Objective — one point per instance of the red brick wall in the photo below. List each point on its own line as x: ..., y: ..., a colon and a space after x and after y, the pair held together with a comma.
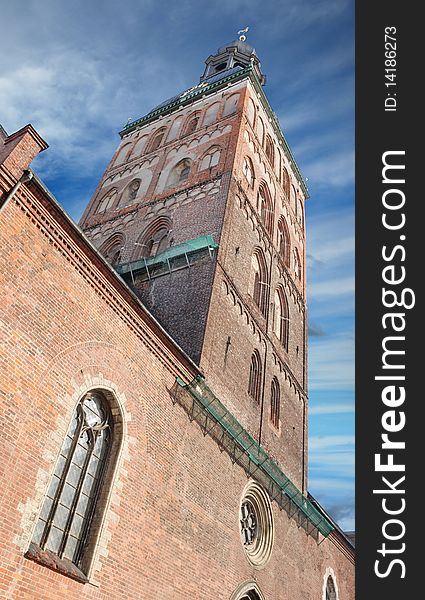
x: 171, y: 526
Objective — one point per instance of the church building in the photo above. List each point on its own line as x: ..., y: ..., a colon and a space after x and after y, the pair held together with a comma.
x: 154, y: 397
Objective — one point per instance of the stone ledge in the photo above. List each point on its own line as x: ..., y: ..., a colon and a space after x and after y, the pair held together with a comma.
x: 52, y: 561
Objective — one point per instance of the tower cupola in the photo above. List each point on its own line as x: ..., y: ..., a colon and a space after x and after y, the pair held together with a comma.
x: 234, y: 54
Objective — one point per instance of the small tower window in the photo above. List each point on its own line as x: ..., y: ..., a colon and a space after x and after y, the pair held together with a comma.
x: 179, y: 173
x: 283, y: 241
x: 210, y: 159
x: 265, y: 208
x: 270, y: 150
x: 297, y: 264
x: 275, y: 403
x: 260, y: 288
x: 191, y: 125
x: 254, y: 383
x: 220, y: 67
x: 248, y: 171
x: 157, y: 139
x: 281, y: 317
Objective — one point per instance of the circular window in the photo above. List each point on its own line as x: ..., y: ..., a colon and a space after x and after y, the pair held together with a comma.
x: 256, y: 524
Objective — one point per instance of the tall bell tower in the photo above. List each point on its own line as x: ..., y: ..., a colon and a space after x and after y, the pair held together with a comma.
x: 201, y: 211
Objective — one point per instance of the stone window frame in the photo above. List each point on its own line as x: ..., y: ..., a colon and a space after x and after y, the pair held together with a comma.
x: 255, y: 376
x: 98, y: 536
x: 330, y: 594
x: 248, y: 590
x: 258, y: 552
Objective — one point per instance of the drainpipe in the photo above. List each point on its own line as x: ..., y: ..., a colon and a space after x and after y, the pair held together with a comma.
x: 26, y: 176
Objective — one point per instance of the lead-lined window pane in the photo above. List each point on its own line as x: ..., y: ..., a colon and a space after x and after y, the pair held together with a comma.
x: 74, y: 486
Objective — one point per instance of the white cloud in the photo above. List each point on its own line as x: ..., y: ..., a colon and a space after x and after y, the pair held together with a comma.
x: 330, y: 442
x: 330, y: 409
x: 335, y: 286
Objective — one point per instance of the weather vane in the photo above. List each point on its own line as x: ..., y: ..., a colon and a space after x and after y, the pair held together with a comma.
x: 241, y: 35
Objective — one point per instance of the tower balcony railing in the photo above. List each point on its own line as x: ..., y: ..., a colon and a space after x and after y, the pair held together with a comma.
x: 172, y: 259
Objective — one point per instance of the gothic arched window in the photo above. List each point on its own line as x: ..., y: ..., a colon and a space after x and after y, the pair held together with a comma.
x: 270, y: 150
x: 154, y: 240
x: 255, y: 371
x: 191, y: 125
x: 300, y: 212
x: 122, y: 154
x: 112, y: 247
x: 210, y: 159
x: 260, y: 288
x: 283, y: 241
x: 293, y: 198
x: 250, y: 113
x: 281, y: 317
x: 260, y: 130
x: 275, y: 403
x: 157, y: 139
x: 248, y: 171
x: 211, y: 113
x: 285, y: 182
x: 231, y: 104
x: 265, y: 208
x: 70, y: 507
x: 179, y: 173
x: 130, y: 193
x: 107, y: 201
x: 297, y: 264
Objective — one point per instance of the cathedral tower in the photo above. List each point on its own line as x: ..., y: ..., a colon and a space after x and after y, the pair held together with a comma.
x: 201, y: 211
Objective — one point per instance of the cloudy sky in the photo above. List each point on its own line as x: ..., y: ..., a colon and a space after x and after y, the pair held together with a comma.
x: 78, y: 70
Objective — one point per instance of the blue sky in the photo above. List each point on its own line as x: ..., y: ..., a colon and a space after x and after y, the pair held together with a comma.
x: 79, y: 70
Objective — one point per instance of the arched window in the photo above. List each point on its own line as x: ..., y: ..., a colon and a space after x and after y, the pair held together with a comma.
x: 248, y: 171
x: 297, y: 264
x: 231, y: 104
x: 111, y: 249
x: 285, y: 182
x: 211, y: 113
x: 179, y: 173
x: 250, y: 113
x: 270, y: 150
x: 255, y: 371
x: 174, y: 129
x: 157, y: 140
x: 293, y: 198
x: 154, y: 240
x: 330, y: 589
x: 283, y: 241
x: 191, y: 125
x: 139, y: 147
x: 260, y: 287
x: 275, y: 403
x: 122, y: 154
x: 300, y: 212
x: 265, y: 208
x: 70, y: 508
x: 260, y: 130
x: 210, y: 159
x: 129, y: 194
x: 281, y: 317
x: 107, y: 201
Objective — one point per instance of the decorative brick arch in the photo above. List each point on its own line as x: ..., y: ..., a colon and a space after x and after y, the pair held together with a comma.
x: 154, y: 239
